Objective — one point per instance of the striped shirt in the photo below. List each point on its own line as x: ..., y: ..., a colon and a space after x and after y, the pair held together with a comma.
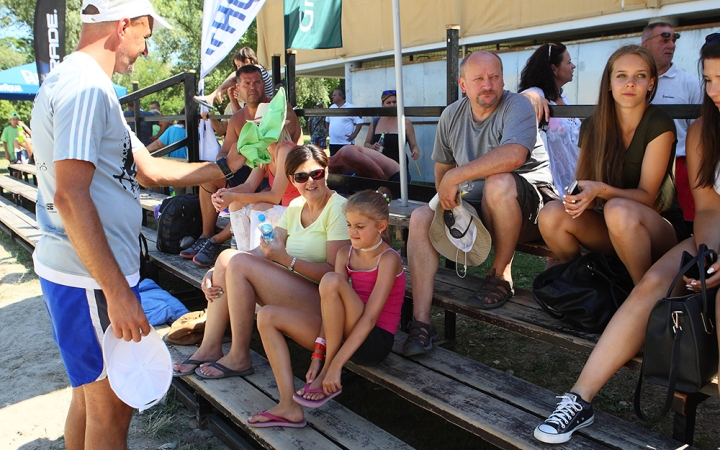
x: 77, y: 116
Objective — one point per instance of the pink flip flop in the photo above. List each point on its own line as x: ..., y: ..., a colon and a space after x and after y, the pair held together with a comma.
x: 314, y: 403
x: 276, y: 421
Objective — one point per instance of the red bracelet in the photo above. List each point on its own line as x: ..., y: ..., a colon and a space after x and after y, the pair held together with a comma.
x: 317, y: 355
x: 320, y: 347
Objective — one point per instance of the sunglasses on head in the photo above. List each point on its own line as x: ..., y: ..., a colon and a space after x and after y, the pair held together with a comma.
x: 712, y: 39
x: 449, y: 219
x: 666, y: 35
x: 303, y: 177
x: 550, y: 46
x: 389, y: 92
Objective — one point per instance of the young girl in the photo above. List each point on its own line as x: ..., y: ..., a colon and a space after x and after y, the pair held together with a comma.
x: 625, y: 334
x: 360, y: 304
x: 626, y: 205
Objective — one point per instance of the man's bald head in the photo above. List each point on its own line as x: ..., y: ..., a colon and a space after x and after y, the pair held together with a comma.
x: 479, y: 56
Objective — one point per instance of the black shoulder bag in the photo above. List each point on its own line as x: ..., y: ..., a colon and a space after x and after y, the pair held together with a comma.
x: 681, y: 347
x: 584, y: 292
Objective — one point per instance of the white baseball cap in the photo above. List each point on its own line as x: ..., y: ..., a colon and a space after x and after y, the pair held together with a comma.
x: 140, y: 373
x: 113, y: 10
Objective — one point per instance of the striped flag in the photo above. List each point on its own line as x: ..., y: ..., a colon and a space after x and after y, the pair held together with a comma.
x: 311, y: 24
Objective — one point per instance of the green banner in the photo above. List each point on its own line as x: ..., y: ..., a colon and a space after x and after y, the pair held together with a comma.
x: 313, y: 24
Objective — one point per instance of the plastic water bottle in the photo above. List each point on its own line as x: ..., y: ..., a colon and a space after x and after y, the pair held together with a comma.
x: 465, y: 187
x: 266, y: 230
x: 233, y: 242
x: 381, y: 143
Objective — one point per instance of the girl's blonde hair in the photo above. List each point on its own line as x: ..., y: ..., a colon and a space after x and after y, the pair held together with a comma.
x: 372, y: 204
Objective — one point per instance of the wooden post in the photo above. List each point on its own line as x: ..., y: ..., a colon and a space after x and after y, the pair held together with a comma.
x: 453, y: 50
x: 276, y: 70
x: 290, y: 76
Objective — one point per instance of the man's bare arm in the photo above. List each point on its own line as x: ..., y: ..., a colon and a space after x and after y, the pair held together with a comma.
x: 84, y: 229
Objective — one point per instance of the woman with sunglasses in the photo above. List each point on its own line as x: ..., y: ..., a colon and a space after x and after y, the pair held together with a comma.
x: 283, y: 272
x: 386, y: 127
x: 544, y: 75
x: 649, y: 234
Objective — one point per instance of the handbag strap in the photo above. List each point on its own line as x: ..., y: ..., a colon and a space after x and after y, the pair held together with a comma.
x: 700, y: 261
x: 674, y: 366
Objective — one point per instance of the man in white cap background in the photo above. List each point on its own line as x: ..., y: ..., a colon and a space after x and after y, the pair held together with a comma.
x: 89, y: 165
x: 489, y: 138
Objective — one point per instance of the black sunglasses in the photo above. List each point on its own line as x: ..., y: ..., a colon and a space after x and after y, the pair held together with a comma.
x: 666, y: 35
x: 712, y: 39
x: 390, y: 92
x: 303, y: 177
x: 449, y: 219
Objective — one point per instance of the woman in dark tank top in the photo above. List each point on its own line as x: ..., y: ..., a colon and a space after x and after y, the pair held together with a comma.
x: 388, y: 126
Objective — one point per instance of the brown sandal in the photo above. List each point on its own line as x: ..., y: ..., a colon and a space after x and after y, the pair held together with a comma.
x: 493, y: 293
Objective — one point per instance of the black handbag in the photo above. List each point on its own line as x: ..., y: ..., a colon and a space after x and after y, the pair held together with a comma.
x: 681, y: 347
x: 584, y: 292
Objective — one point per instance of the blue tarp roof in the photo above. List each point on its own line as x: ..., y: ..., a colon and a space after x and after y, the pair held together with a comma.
x: 21, y: 83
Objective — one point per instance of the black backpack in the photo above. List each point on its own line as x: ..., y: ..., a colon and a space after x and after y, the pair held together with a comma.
x: 179, y: 218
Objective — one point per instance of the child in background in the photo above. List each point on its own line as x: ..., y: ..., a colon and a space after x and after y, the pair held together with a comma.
x: 360, y: 304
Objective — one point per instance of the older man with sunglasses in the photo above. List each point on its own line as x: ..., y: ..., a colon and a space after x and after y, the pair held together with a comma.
x: 674, y: 87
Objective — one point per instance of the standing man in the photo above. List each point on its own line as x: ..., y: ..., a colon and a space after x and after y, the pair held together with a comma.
x: 9, y: 134
x: 317, y: 127
x: 342, y: 130
x: 674, y: 87
x: 89, y: 168
x: 490, y: 138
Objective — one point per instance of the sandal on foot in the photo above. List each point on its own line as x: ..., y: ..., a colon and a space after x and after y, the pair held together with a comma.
x: 420, y: 338
x: 226, y: 372
x: 300, y: 399
x: 276, y: 421
x: 193, y: 362
x: 493, y: 293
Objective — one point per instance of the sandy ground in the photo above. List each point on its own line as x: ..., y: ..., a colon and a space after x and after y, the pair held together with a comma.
x: 35, y: 391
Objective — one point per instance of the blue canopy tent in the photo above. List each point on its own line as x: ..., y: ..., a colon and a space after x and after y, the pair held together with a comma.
x: 21, y: 83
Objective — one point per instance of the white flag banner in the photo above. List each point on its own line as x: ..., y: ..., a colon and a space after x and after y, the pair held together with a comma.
x: 224, y: 22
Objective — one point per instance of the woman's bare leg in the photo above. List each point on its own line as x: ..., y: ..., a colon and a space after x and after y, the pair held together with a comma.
x: 564, y: 235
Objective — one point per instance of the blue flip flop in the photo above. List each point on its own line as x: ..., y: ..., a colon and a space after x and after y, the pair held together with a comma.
x: 276, y: 421
x: 226, y: 373
x: 194, y: 362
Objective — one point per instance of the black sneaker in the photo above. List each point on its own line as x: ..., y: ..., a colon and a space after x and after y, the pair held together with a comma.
x: 194, y: 249
x: 420, y: 338
x: 571, y: 414
x: 208, y: 253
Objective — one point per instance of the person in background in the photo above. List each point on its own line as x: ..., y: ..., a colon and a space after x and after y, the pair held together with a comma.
x: 674, y: 87
x: 171, y: 135
x: 625, y: 334
x: 547, y: 70
x: 386, y: 127
x: 145, y: 129
x: 242, y: 57
x: 158, y: 128
x: 9, y: 140
x: 342, y: 130
x: 317, y: 127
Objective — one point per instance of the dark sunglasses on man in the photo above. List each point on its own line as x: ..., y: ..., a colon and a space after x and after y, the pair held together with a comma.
x: 666, y: 36
x: 390, y: 92
x: 303, y: 177
x: 449, y: 219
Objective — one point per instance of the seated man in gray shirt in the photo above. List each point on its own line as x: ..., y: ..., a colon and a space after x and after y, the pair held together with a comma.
x: 491, y: 139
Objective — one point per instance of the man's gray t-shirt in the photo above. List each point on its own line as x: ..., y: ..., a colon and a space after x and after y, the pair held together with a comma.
x: 459, y: 139
x: 77, y: 116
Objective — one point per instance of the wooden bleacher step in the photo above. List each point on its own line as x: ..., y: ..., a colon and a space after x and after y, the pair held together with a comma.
x: 330, y: 427
x: 19, y: 223
x: 19, y: 188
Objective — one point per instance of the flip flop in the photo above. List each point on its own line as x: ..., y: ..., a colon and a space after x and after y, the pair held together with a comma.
x: 194, y: 362
x: 226, y: 373
x: 314, y: 403
x: 276, y: 422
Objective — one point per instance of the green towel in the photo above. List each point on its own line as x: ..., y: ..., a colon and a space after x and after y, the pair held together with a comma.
x: 254, y: 139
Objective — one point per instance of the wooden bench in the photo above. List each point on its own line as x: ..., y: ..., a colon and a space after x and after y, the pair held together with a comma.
x: 20, y: 191
x: 493, y: 405
x: 26, y: 170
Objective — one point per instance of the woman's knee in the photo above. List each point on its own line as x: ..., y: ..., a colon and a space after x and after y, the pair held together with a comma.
x: 621, y: 214
x: 266, y: 318
x: 552, y: 216
x: 240, y: 263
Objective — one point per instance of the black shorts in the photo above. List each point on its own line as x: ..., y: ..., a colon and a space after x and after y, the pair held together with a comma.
x: 375, y: 348
x: 531, y: 199
x: 239, y: 177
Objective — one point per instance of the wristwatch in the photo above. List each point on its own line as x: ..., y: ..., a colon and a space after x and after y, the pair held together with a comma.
x: 223, y: 165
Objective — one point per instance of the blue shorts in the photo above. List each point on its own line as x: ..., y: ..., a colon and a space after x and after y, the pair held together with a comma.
x: 79, y: 318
